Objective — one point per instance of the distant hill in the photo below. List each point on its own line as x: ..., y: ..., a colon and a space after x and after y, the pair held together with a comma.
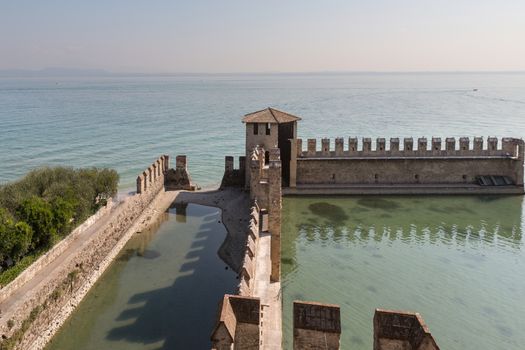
x: 54, y: 72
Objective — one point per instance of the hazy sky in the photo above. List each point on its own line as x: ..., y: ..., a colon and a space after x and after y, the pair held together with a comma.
x: 263, y: 35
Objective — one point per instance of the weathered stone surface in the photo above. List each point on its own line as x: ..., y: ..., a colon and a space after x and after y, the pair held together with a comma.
x: 316, y: 326
x: 401, y: 330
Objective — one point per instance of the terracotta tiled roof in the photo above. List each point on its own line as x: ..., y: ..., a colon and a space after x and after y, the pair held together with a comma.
x: 269, y: 115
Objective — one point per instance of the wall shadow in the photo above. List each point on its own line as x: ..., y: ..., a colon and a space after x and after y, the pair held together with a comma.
x: 182, y: 315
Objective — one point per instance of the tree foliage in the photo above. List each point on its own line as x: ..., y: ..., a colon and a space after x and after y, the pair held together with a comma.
x: 46, y: 205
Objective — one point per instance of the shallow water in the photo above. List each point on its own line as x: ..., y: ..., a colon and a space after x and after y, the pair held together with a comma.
x: 162, y: 291
x: 127, y: 122
x: 459, y: 261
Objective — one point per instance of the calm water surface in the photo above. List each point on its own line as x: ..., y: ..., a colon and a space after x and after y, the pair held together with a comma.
x: 127, y: 122
x: 161, y: 292
x: 459, y: 261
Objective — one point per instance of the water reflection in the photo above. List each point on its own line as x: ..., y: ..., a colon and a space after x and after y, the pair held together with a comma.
x: 161, y: 293
x: 454, y: 259
x: 447, y: 220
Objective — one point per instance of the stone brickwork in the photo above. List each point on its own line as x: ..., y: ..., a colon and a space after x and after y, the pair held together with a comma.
x: 248, y: 269
x: 44, y: 303
x: 179, y: 178
x: 316, y: 326
x: 400, y: 330
x: 237, y: 326
x: 234, y: 177
x: 455, y: 163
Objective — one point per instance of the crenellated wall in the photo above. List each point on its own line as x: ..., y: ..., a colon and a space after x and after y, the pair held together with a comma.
x: 178, y: 178
x: 234, y: 177
x: 453, y: 162
x: 153, y: 174
x: 422, y: 147
x: 248, y: 269
x: 316, y: 326
x: 237, y: 325
x: 401, y: 330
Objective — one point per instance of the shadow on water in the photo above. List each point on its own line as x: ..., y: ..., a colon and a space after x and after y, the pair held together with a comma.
x: 333, y: 213
x: 180, y: 316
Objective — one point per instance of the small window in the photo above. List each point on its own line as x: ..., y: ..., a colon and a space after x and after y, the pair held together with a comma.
x: 464, y: 177
x: 266, y: 158
x: 256, y: 129
x: 268, y: 128
x: 376, y: 176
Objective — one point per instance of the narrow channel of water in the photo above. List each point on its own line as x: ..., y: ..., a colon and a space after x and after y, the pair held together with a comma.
x: 161, y: 292
x: 459, y: 261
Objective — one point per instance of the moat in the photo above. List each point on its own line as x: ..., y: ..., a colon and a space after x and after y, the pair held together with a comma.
x: 457, y: 260
x: 160, y: 293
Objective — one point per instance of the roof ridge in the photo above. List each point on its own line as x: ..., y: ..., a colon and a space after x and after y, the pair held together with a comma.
x: 273, y: 115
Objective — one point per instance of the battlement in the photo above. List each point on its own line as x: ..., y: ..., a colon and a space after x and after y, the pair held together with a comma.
x: 248, y: 268
x: 401, y: 330
x: 234, y: 177
x: 153, y: 175
x: 422, y: 148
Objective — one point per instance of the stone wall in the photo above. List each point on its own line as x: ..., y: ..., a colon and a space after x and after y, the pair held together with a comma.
x: 316, y: 326
x: 410, y: 165
x: 248, y: 269
x: 32, y: 316
x: 400, y: 330
x: 237, y: 326
x: 234, y: 177
x: 51, y: 255
x: 179, y: 178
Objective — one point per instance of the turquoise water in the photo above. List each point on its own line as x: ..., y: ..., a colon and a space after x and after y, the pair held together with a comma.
x: 127, y: 122
x: 459, y: 261
x: 161, y: 292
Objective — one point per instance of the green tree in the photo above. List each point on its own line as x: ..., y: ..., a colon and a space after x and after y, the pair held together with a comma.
x: 63, y: 212
x: 22, y: 242
x: 15, y: 239
x: 39, y: 215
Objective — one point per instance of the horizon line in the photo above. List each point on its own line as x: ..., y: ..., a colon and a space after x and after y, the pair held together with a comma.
x: 71, y: 71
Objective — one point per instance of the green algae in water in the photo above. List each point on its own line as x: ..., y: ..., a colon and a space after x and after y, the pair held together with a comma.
x: 161, y: 292
x: 457, y: 260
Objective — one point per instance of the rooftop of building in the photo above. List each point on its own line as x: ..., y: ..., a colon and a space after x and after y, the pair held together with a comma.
x: 269, y: 115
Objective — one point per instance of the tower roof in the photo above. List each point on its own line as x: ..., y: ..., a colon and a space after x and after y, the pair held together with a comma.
x: 269, y: 115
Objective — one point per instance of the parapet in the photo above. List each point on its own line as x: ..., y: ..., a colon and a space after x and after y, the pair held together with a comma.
x: 238, y: 323
x: 248, y: 268
x: 401, y: 330
x: 316, y: 326
x: 463, y: 147
x: 179, y: 178
x: 153, y: 176
x: 233, y: 177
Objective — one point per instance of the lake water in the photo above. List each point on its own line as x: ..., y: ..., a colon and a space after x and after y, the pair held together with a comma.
x: 161, y: 292
x: 127, y: 122
x: 459, y: 261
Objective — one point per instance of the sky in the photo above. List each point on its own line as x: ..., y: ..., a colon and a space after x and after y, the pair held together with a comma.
x: 225, y: 36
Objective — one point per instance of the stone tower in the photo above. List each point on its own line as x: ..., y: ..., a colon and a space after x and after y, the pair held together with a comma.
x: 271, y: 128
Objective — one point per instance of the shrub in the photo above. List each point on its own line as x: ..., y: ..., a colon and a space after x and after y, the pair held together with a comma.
x: 39, y: 215
x: 44, y: 205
